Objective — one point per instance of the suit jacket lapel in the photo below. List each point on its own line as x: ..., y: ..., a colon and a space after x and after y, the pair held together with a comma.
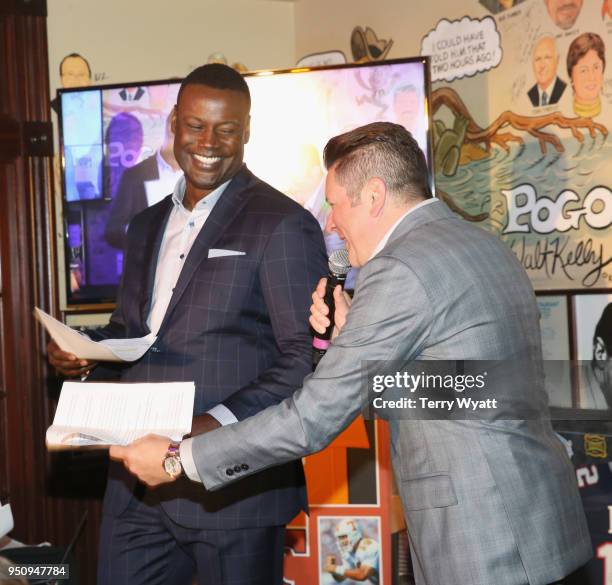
x: 152, y: 243
x: 226, y: 209
x: 558, y: 88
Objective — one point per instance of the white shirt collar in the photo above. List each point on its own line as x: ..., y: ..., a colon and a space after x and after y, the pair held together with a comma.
x: 547, y: 89
x: 206, y: 203
x: 386, y: 237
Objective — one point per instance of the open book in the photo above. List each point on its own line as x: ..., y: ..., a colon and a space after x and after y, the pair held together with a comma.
x: 107, y: 350
x: 99, y: 414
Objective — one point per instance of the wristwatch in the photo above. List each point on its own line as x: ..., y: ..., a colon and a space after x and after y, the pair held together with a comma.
x: 172, y: 461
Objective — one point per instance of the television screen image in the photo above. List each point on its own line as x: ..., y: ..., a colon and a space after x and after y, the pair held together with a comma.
x: 117, y: 150
x: 593, y: 314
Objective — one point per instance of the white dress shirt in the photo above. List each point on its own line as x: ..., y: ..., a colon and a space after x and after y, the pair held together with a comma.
x: 548, y: 90
x: 181, y: 231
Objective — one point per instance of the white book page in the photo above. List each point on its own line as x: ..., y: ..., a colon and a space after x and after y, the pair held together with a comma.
x: 117, y: 414
x: 65, y: 437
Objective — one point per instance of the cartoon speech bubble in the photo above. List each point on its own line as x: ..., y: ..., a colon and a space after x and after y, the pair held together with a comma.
x: 462, y: 48
x: 320, y: 59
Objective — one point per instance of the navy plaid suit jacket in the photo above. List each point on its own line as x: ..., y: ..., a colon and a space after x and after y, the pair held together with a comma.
x: 237, y: 326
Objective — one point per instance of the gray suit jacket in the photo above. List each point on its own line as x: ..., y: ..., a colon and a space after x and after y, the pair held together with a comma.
x: 486, y: 503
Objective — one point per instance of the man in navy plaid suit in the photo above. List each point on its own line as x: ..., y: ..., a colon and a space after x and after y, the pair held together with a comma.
x: 221, y: 271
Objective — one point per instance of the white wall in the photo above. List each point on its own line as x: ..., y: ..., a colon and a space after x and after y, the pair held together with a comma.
x: 137, y: 40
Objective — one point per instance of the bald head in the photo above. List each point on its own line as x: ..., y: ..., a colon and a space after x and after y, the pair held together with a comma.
x: 545, y: 61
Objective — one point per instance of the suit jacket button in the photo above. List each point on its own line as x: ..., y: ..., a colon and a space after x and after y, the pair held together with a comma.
x: 229, y: 471
x: 245, y: 467
x: 237, y: 468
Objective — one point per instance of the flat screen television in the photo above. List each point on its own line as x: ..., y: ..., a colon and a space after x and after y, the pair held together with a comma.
x: 116, y: 150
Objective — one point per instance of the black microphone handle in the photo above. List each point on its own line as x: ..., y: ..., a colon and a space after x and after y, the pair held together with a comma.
x: 320, y: 342
x: 333, y: 280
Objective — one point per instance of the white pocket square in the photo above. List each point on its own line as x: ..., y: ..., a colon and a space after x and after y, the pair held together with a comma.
x: 217, y: 253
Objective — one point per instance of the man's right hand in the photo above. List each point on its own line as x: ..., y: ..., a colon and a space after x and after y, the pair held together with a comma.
x: 319, y: 311
x: 66, y: 363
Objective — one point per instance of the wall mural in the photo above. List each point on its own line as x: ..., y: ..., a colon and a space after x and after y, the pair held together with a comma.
x: 365, y: 48
x: 535, y: 173
x: 521, y: 111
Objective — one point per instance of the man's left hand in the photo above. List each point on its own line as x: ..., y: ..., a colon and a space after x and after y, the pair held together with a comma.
x: 144, y: 459
x: 319, y: 319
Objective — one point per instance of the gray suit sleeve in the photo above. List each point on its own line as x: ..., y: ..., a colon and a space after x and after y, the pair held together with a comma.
x: 390, y: 317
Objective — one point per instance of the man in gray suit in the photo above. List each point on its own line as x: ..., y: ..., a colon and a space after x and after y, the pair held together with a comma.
x: 486, y: 503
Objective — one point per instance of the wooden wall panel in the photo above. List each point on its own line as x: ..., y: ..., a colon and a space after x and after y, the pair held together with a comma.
x: 49, y: 494
x: 3, y: 413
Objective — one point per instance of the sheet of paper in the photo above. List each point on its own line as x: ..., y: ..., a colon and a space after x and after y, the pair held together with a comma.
x: 129, y: 350
x: 104, y: 414
x: 6, y: 519
x: 108, y: 350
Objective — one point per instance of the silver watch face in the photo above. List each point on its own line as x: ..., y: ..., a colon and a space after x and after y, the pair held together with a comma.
x: 172, y: 466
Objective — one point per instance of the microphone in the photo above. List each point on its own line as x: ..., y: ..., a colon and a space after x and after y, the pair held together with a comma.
x: 338, y: 269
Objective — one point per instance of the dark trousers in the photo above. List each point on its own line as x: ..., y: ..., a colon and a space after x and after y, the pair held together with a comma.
x: 579, y: 577
x: 144, y: 546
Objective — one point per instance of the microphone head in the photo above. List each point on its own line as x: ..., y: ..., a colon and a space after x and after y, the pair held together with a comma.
x: 339, y: 262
